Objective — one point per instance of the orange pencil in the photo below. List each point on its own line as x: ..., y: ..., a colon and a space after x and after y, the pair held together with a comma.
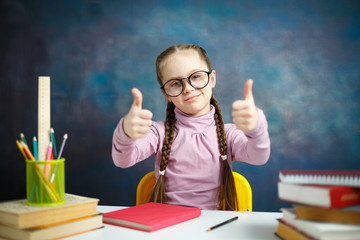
x: 27, y: 151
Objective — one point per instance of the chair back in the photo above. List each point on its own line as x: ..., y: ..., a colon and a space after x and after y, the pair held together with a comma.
x: 243, y: 193
x: 243, y: 190
x: 145, y: 188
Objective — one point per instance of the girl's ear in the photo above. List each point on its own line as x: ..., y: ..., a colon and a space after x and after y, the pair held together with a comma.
x: 213, y: 78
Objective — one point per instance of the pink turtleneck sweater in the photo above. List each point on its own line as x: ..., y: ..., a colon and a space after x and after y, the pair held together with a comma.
x: 193, y: 174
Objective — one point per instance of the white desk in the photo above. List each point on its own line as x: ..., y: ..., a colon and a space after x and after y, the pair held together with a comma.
x: 253, y: 225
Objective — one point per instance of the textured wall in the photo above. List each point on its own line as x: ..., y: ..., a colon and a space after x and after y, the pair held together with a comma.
x: 302, y: 55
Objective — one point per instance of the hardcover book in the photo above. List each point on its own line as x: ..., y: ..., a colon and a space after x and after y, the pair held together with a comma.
x: 319, y: 195
x: 350, y: 215
x: 288, y: 232
x: 320, y: 230
x: 53, y: 231
x: 18, y: 214
x: 151, y: 216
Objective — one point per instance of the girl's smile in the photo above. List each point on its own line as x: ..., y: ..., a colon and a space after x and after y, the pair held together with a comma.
x: 192, y: 98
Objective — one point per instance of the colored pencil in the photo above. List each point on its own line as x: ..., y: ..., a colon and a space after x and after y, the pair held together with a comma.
x: 48, y: 158
x: 22, y: 136
x: 27, y: 151
x: 49, y: 151
x: 52, y: 135
x: 223, y: 223
x: 36, y: 154
x: 21, y: 148
x: 62, y: 146
x: 59, y: 157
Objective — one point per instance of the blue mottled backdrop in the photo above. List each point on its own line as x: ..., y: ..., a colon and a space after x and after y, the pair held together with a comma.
x: 302, y: 55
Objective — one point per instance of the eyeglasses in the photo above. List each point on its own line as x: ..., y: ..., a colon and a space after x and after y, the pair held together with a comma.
x: 198, y: 80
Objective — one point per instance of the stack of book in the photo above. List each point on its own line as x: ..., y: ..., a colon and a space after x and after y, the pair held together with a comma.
x: 326, y: 204
x: 78, y: 214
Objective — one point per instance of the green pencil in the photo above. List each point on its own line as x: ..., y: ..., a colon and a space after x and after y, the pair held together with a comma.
x: 52, y: 133
x: 22, y: 136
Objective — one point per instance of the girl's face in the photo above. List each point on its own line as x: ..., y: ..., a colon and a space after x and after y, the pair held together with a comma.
x: 194, y: 102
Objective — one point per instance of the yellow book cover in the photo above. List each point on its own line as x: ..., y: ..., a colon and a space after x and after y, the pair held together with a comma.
x: 54, y: 231
x: 287, y: 232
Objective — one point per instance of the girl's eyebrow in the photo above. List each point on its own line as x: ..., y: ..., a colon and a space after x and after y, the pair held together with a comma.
x: 189, y: 73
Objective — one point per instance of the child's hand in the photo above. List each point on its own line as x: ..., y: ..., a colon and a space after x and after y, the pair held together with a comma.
x: 137, y: 122
x: 245, y: 115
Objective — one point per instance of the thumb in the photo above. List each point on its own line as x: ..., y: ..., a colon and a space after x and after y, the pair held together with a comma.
x: 248, y: 95
x: 137, y: 97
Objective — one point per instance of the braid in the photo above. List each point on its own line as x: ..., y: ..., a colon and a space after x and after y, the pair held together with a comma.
x: 159, y: 194
x: 227, y: 192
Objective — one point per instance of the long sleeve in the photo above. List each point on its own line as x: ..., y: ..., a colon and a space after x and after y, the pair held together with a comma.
x: 252, y: 147
x: 193, y: 173
x: 126, y: 151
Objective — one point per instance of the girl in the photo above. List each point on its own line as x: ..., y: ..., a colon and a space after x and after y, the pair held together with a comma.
x: 193, y: 148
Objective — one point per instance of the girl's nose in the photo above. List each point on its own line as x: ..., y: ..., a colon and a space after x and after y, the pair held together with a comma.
x: 187, y: 86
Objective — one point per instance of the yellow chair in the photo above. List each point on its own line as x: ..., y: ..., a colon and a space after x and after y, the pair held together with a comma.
x: 243, y: 191
x: 145, y: 187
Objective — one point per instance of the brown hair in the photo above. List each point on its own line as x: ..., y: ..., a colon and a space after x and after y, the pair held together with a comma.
x: 227, y: 192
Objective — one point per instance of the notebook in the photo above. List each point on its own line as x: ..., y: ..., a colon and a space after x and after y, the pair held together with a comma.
x: 322, y: 177
x: 151, y: 216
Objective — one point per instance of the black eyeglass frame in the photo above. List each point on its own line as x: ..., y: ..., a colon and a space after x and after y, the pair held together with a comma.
x: 188, y: 80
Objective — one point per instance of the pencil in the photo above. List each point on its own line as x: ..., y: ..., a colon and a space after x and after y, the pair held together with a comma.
x: 21, y: 149
x: 223, y: 223
x: 49, y: 152
x: 36, y: 154
x: 59, y: 157
x: 52, y: 135
x: 48, y: 158
x: 22, y: 136
x: 27, y: 151
x: 62, y: 146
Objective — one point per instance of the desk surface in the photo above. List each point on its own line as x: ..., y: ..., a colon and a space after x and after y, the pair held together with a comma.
x: 252, y: 225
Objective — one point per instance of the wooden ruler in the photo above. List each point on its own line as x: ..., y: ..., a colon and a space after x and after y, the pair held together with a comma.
x: 44, y: 116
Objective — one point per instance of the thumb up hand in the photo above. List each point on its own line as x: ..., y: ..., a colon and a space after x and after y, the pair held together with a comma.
x: 137, y: 122
x: 245, y: 115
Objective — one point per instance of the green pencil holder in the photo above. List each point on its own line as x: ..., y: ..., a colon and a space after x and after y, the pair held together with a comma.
x: 45, y: 182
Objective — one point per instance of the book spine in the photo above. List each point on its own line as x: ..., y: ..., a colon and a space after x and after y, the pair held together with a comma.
x: 328, y: 215
x: 341, y: 197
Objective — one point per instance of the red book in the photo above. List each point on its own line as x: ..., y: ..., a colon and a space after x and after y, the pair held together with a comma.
x: 322, y: 177
x: 319, y: 195
x: 151, y: 216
